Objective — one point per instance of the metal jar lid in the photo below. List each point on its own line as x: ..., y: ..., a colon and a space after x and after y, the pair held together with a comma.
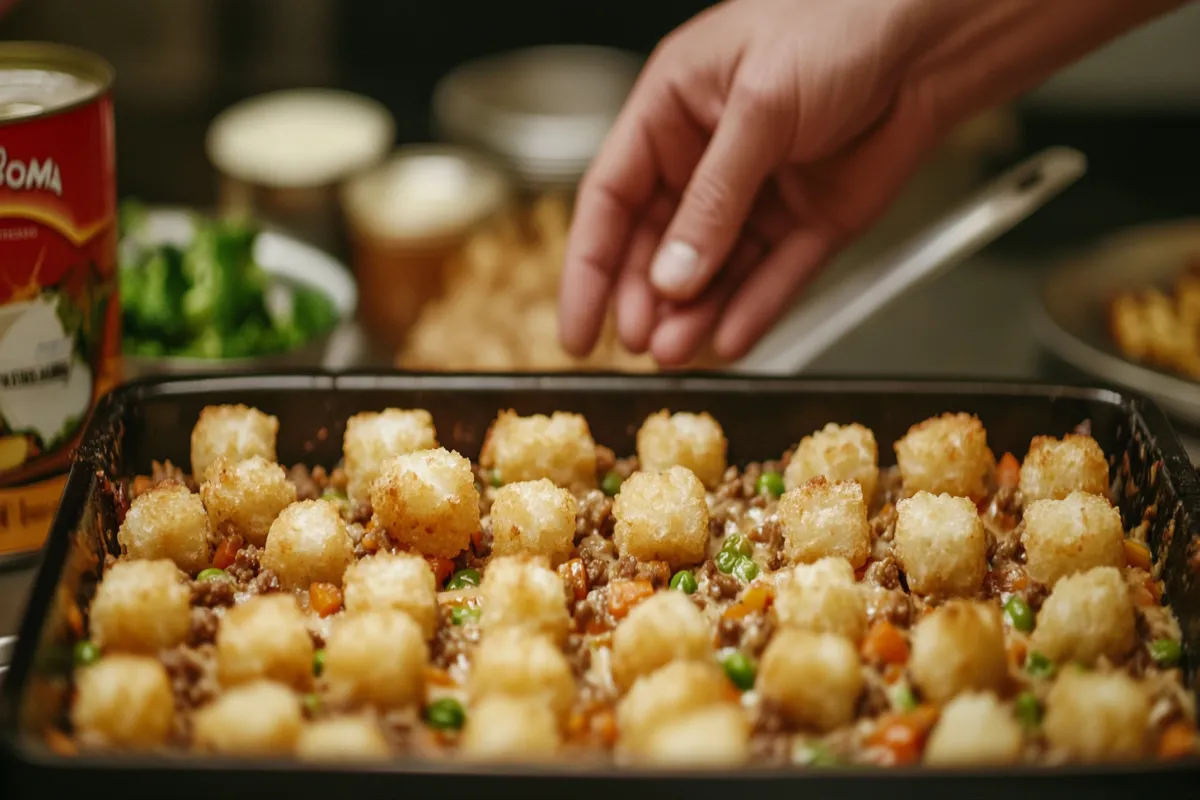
x: 543, y: 111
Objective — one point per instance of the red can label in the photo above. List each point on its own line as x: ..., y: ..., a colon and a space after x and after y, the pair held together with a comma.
x: 59, y: 315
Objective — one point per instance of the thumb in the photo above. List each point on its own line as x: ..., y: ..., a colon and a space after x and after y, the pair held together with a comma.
x: 719, y: 196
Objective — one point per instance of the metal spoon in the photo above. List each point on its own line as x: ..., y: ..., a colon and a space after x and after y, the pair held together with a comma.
x: 826, y: 316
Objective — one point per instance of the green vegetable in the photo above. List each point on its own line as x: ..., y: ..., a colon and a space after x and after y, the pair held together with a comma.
x: 461, y: 614
x: 1029, y: 710
x: 684, y: 581
x: 745, y: 569
x: 611, y: 484
x: 495, y: 479
x: 903, y: 698
x: 212, y: 574
x: 726, y: 560
x: 1019, y: 614
x: 819, y: 756
x: 770, y: 483
x: 334, y: 496
x: 312, y: 703
x: 740, y: 669
x: 737, y: 545
x: 446, y: 714
x: 319, y: 661
x: 463, y: 578
x: 86, y: 652
x: 1038, y: 665
x: 1166, y: 652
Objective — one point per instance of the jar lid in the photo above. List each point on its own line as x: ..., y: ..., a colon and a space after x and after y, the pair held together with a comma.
x: 543, y: 110
x: 300, y: 138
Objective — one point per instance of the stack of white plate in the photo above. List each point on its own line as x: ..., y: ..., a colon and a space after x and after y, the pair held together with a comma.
x: 543, y: 111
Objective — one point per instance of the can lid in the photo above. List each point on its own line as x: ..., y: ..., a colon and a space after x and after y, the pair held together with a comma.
x: 299, y: 138
x: 544, y: 110
x: 38, y: 78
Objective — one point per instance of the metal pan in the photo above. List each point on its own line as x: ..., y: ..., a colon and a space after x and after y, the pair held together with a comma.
x: 761, y: 418
x: 1070, y: 321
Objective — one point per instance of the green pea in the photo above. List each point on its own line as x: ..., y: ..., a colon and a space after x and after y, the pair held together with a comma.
x: 737, y: 545
x: 319, y: 661
x: 86, y: 653
x: 446, y: 714
x: 741, y: 670
x: 494, y: 479
x: 460, y: 615
x: 212, y: 574
x: 1019, y: 614
x: 769, y: 483
x: 745, y: 569
x: 463, y: 578
x: 312, y: 703
x: 1166, y: 652
x: 726, y: 560
x: 904, y: 699
x: 611, y: 483
x: 1038, y: 665
x: 334, y: 496
x: 684, y: 581
x: 819, y: 756
x: 1029, y: 710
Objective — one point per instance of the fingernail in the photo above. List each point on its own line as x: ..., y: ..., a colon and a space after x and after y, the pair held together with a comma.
x: 674, y: 266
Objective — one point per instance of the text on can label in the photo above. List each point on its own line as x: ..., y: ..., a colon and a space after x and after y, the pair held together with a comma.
x: 28, y: 176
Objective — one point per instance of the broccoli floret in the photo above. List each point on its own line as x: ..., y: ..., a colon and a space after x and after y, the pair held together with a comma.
x: 227, y: 286
x: 313, y: 313
x: 152, y: 294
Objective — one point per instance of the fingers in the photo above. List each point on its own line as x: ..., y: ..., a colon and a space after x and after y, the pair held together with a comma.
x: 767, y: 293
x: 716, y: 202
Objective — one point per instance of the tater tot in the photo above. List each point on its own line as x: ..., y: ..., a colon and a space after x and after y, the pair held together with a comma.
x: 822, y: 597
x: 265, y: 637
x: 124, y: 701
x: 822, y: 519
x: 427, y: 501
x: 515, y: 729
x: 378, y: 657
x: 245, y: 497
x: 1087, y: 616
x: 662, y: 516
x: 836, y: 453
x: 958, y: 647
x: 664, y: 627
x: 1095, y: 716
x: 308, y: 543
x: 255, y: 719
x: 816, y: 678
x: 695, y: 441
x: 374, y: 437
x: 234, y: 432
x: 946, y: 454
x: 1062, y: 537
x: 668, y: 693
x: 517, y: 662
x: 1054, y: 468
x: 558, y: 447
x: 710, y: 738
x: 534, y: 518
x: 140, y: 607
x: 522, y: 593
x: 345, y: 738
x: 401, y: 581
x: 941, y: 544
x: 974, y: 729
x: 167, y: 522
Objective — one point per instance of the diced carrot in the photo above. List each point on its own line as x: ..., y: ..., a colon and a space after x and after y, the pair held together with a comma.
x: 370, y: 542
x: 1137, y: 554
x: 1155, y: 589
x: 884, y: 644
x: 477, y: 540
x: 436, y: 676
x: 1008, y: 472
x: 624, y: 595
x: 74, y: 619
x: 1017, y: 650
x: 892, y: 673
x: 757, y: 598
x: 595, y: 627
x: 903, y: 736
x: 604, y: 724
x: 60, y: 743
x: 1178, y: 740
x: 443, y: 568
x: 574, y: 577
x: 577, y: 724
x: 325, y: 598
x: 227, y: 552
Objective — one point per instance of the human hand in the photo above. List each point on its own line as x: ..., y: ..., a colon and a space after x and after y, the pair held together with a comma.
x: 762, y: 134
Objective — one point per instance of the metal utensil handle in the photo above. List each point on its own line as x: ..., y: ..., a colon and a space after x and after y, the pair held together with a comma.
x: 827, y: 316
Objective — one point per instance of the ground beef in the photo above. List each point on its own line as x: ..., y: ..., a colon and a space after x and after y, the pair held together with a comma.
x: 1005, y: 545
x: 892, y: 605
x: 592, y: 612
x: 213, y: 594
x: 597, y: 554
x: 720, y: 585
x: 749, y: 634
x: 204, y: 626
x: 628, y: 568
x: 245, y: 565
x: 874, y: 700
x: 452, y: 641
x: 625, y: 466
x: 193, y: 673
x: 264, y: 582
x: 769, y: 738
x: 595, y: 514
x: 398, y: 727
x: 884, y: 572
x: 606, y: 459
x: 579, y: 654
x: 883, y: 524
x: 360, y: 513
x: 305, y: 481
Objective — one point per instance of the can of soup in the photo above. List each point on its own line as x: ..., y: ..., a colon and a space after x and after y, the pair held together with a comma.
x: 59, y: 312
